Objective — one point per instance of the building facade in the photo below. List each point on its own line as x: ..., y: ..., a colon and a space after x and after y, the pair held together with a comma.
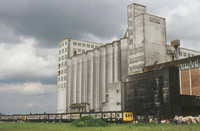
x: 67, y: 48
x: 93, y: 74
x: 146, y: 39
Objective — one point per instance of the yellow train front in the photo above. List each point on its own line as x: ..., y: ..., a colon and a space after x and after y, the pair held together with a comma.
x: 127, y: 116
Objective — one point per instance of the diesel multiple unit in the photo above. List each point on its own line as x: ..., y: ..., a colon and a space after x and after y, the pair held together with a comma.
x: 68, y: 117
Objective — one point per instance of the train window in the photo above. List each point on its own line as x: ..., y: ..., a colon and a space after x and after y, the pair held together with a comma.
x: 126, y: 115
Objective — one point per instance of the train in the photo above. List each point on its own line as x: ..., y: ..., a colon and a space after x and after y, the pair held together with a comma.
x: 117, y: 116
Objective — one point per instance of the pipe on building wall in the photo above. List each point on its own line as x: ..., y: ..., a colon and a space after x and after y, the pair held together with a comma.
x: 78, y: 76
x: 90, y: 78
x: 69, y: 82
x: 181, y: 91
x: 96, y: 79
x: 102, y: 76
x: 84, y: 78
x: 115, y: 61
x: 190, y: 76
x: 109, y: 63
x: 74, y: 66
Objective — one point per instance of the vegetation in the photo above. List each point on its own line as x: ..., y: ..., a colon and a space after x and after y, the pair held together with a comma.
x: 10, y: 126
x: 89, y: 121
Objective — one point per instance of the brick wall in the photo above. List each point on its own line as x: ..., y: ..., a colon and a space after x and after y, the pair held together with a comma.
x: 185, y: 81
x: 195, y: 81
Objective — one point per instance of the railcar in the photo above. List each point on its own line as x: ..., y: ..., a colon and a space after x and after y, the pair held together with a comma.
x: 68, y: 117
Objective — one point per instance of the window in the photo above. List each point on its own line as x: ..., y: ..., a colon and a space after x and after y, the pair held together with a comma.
x: 96, y: 46
x: 62, y: 50
x: 79, y: 44
x: 59, y: 45
x: 65, y: 56
x: 117, y: 91
x: 74, y: 53
x: 65, y: 49
x: 59, y: 58
x: 118, y: 103
x: 188, y: 54
x: 83, y: 45
x: 62, y: 44
x: 59, y: 51
x: 83, y: 50
x: 180, y: 53
x: 74, y: 43
x: 62, y: 57
x: 65, y: 43
x: 184, y: 54
x: 79, y: 50
x: 92, y: 46
x: 88, y: 45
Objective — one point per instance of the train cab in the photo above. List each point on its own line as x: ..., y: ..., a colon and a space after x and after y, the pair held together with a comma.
x: 127, y: 116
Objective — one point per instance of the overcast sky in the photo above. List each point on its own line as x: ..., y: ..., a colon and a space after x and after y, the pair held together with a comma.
x: 30, y: 31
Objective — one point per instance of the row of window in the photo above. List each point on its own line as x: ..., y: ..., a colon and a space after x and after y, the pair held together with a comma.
x: 62, y: 51
x: 84, y: 45
x: 181, y: 53
x: 186, y: 54
x: 62, y: 85
x: 135, y: 70
x: 62, y: 44
x: 62, y: 64
x: 136, y: 59
x: 83, y: 50
x: 192, y: 65
x: 136, y: 50
x: 62, y: 57
x: 62, y: 72
x: 62, y: 78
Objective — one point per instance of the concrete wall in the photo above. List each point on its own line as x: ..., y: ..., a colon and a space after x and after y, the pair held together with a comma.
x: 146, y: 38
x: 114, y: 97
x: 97, y: 73
x: 155, y: 40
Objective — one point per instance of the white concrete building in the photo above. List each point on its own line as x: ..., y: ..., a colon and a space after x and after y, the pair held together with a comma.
x: 146, y: 38
x: 68, y: 48
x: 94, y: 73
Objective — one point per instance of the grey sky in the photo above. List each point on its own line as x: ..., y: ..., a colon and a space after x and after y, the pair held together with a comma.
x: 30, y: 31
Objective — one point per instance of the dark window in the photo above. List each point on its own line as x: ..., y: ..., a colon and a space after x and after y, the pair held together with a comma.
x: 74, y: 53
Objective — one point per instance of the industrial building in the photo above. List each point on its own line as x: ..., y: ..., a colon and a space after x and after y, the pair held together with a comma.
x: 137, y: 73
x: 67, y: 48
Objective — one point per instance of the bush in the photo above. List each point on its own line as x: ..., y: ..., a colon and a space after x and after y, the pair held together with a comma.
x: 89, y: 121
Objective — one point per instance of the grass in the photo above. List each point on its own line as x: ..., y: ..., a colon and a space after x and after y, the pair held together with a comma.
x: 10, y: 126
